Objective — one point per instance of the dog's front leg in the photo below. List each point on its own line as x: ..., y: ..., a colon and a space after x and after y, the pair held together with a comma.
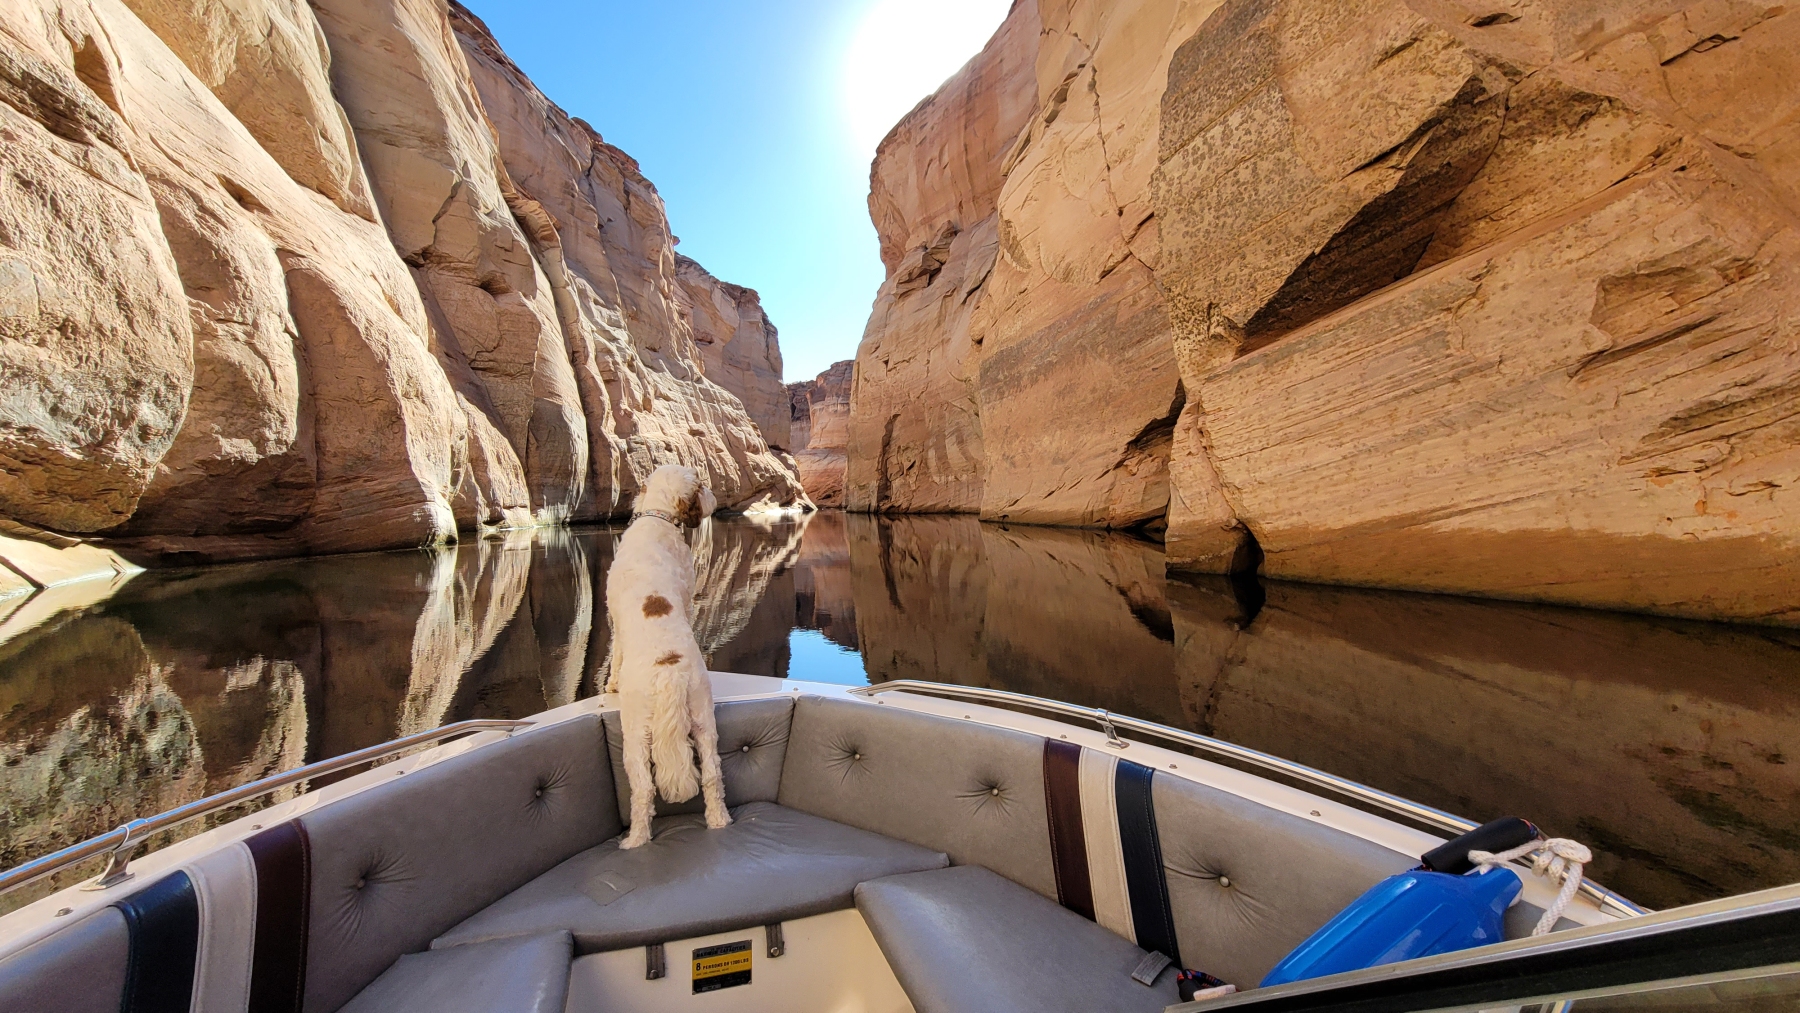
x: 643, y: 787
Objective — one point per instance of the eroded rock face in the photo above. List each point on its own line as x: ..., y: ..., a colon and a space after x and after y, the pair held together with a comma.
x: 915, y: 430
x: 739, y: 348
x: 220, y: 338
x: 1509, y: 313
x: 603, y: 240
x: 1021, y: 305
x: 821, y: 414
x: 1489, y: 298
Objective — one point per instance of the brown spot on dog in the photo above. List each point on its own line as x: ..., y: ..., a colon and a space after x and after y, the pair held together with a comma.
x: 671, y: 658
x: 689, y: 510
x: 656, y: 606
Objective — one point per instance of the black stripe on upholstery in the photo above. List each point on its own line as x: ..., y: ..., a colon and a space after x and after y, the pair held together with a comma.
x: 283, y: 858
x: 1068, y: 837
x: 1152, y: 920
x: 164, y: 923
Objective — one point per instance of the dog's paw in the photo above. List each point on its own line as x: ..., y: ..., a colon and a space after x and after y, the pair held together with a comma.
x: 635, y: 839
x: 718, y: 822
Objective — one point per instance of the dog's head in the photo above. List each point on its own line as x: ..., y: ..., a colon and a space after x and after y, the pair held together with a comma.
x: 677, y: 489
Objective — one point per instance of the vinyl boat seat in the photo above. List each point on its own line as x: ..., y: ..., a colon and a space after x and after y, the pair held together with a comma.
x: 964, y: 940
x: 772, y: 864
x: 525, y: 974
x: 996, y: 870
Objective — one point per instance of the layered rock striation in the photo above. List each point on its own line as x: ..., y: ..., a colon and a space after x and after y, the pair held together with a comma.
x: 821, y: 426
x: 1494, y: 297
x: 740, y: 349
x: 281, y: 278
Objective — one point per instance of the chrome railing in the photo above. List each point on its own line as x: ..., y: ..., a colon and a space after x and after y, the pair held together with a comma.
x: 1110, y: 724
x: 118, y: 844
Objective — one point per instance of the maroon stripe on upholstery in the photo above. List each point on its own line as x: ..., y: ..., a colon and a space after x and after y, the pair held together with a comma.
x: 283, y: 858
x: 1068, y: 840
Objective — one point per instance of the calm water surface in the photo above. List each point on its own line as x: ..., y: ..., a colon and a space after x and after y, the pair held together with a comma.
x: 1668, y: 746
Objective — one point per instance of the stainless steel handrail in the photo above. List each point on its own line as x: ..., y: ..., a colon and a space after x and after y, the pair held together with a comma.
x: 1110, y: 722
x: 119, y: 844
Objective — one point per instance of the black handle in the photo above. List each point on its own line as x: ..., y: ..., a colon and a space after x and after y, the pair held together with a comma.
x: 1501, y: 835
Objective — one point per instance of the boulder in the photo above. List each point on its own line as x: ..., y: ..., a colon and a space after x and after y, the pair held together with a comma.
x: 41, y: 565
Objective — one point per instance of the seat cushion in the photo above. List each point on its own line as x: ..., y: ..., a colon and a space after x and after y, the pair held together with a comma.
x: 1248, y: 883
x: 392, y: 867
x: 80, y: 969
x: 965, y: 940
x: 972, y: 791
x: 772, y: 864
x: 525, y: 974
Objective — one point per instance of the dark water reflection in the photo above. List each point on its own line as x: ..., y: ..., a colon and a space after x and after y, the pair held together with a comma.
x: 1667, y: 745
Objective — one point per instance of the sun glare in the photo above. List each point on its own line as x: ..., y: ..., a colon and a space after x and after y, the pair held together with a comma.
x: 902, y: 51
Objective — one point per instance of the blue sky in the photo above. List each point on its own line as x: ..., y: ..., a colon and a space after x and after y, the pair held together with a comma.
x: 756, y: 119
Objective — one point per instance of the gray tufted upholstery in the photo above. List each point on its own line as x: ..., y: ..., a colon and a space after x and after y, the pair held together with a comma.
x: 395, y: 866
x: 526, y: 974
x: 772, y: 864
x: 964, y: 940
x: 80, y: 969
x: 753, y: 741
x: 974, y: 792
x: 1287, y: 875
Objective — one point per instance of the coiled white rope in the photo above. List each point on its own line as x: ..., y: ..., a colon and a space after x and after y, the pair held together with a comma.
x: 1558, y: 857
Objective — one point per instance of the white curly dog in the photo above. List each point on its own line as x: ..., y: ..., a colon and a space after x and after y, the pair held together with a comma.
x: 666, y: 704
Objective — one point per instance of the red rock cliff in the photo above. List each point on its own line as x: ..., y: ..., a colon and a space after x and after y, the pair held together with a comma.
x: 821, y: 425
x: 282, y: 278
x: 1494, y: 298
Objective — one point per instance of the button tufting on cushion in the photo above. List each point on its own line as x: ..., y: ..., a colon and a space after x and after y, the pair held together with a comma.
x: 1288, y: 876
x: 438, y: 845
x: 924, y: 779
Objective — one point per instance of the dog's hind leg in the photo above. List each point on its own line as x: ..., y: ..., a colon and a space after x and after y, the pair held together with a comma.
x: 643, y: 786
x: 706, y: 743
x: 615, y: 658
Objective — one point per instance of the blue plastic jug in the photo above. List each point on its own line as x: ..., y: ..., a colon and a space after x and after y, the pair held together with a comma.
x: 1414, y: 914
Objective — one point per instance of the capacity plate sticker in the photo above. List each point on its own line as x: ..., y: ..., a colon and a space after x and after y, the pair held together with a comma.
x: 726, y: 965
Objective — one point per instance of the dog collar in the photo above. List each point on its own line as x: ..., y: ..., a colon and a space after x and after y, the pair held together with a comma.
x: 661, y: 515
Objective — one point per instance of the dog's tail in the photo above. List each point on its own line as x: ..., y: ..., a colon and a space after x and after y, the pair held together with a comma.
x: 671, y: 751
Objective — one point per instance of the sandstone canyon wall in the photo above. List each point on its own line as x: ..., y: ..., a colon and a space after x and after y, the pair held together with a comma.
x: 740, y: 348
x: 821, y: 426
x: 1493, y: 297
x: 281, y: 278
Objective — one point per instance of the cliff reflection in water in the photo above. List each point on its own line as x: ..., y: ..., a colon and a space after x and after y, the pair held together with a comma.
x: 1664, y: 744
